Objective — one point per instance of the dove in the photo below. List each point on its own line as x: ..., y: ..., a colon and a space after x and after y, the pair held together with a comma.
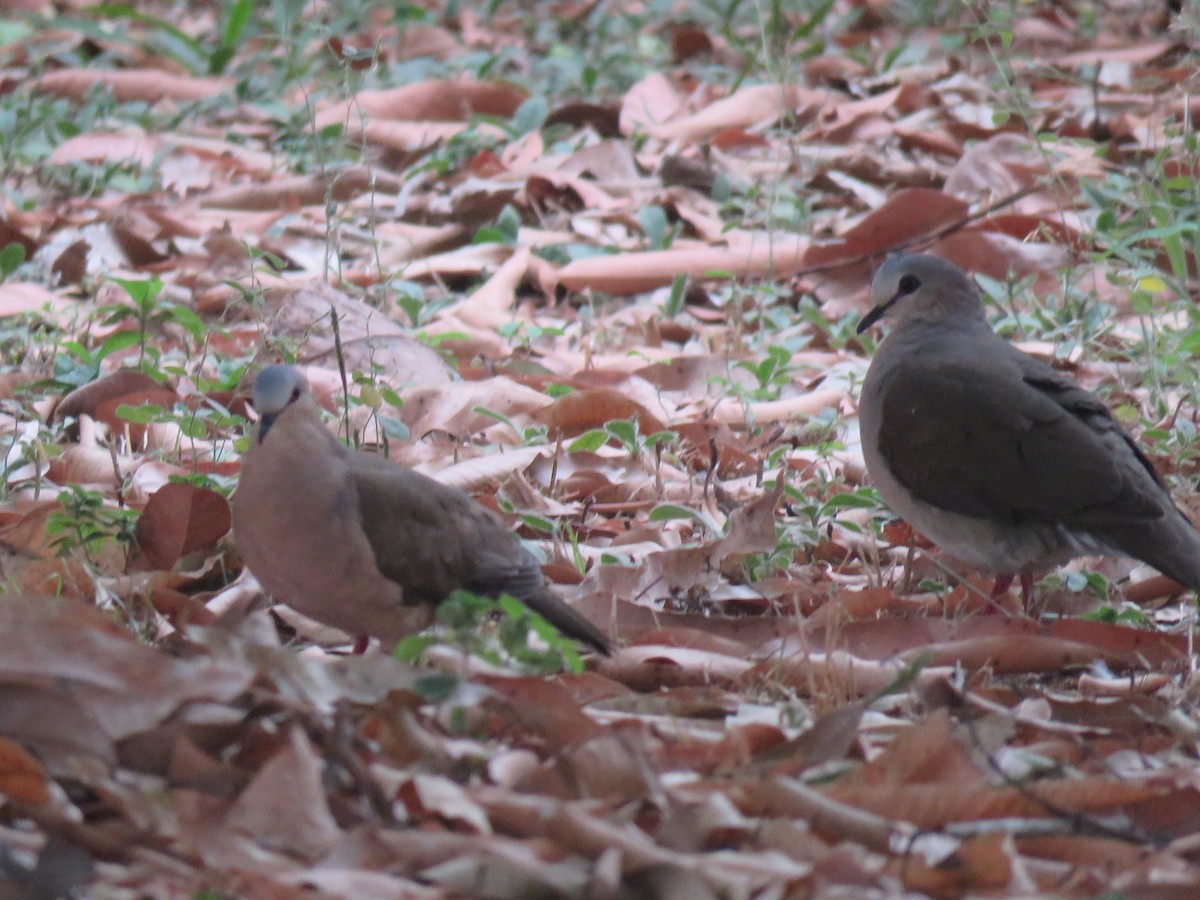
x: 363, y: 544
x: 1000, y: 459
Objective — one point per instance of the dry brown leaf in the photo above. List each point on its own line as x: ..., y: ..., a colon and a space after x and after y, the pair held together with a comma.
x: 86, y: 399
x: 438, y: 101
x: 181, y: 518
x: 148, y: 85
x: 102, y: 146
x: 19, y: 297
x: 758, y: 104
x: 483, y: 472
x: 308, y: 190
x: 936, y: 805
x: 579, y: 411
x: 284, y: 808
x: 491, y: 305
x: 632, y: 273
x: 240, y: 758
x: 926, y: 751
x: 370, y: 341
x: 22, y: 777
x: 88, y: 464
x: 432, y: 797
x: 454, y: 407
x: 907, y: 214
x: 648, y: 104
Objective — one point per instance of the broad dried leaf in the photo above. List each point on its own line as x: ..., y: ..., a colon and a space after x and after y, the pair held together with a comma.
x: 149, y: 85
x: 181, y: 518
x: 579, y: 411
x: 285, y: 808
x: 22, y: 777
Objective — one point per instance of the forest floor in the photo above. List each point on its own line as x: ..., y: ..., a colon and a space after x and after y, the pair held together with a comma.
x: 600, y: 265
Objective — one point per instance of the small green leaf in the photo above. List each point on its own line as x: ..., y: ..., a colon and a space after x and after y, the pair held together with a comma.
x: 623, y: 430
x: 411, y: 648
x: 142, y: 293
x: 394, y: 428
x: 509, y: 224
x: 10, y: 258
x: 191, y: 322
x: 678, y: 293
x: 239, y: 18
x: 538, y: 523
x: 722, y: 188
x: 589, y: 441
x: 119, y: 341
x: 436, y: 686
x: 530, y: 116
x: 653, y: 222
x: 672, y: 511
x: 390, y: 397
x: 488, y: 234
x: 139, y: 415
x: 852, y: 500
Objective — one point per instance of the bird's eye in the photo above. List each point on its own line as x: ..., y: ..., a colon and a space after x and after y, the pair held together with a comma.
x: 295, y: 395
x: 909, y: 283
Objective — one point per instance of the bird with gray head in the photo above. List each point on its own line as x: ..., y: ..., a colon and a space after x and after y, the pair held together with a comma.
x: 997, y: 457
x: 363, y: 544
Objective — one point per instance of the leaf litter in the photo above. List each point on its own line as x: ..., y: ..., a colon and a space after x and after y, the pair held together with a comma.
x: 626, y: 326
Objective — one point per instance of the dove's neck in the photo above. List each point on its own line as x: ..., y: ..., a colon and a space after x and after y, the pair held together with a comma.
x: 935, y: 326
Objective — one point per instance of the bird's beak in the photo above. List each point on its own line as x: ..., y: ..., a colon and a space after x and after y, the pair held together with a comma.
x: 874, y: 316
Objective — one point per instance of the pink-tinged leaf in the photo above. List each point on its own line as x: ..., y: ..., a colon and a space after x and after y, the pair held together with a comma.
x: 19, y: 297
x: 149, y: 85
x: 86, y: 399
x: 179, y: 519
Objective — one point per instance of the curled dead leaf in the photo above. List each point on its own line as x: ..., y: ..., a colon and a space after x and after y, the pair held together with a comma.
x: 579, y: 411
x: 22, y: 777
x: 181, y: 518
x: 127, y: 85
x: 84, y: 400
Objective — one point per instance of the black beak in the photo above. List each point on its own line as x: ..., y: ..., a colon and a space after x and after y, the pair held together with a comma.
x: 264, y: 425
x: 874, y: 316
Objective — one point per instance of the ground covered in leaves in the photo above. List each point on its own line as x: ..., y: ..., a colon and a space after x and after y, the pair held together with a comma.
x: 599, y: 264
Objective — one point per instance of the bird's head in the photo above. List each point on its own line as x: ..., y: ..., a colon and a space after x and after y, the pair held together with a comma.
x: 919, y: 287
x: 275, y: 389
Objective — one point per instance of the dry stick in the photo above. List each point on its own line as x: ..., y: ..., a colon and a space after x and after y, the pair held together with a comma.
x: 341, y: 358
x: 337, y: 739
x: 553, y: 486
x: 1081, y: 823
x: 832, y: 818
x: 582, y: 828
x: 837, y: 820
x: 120, y: 488
x: 906, y: 581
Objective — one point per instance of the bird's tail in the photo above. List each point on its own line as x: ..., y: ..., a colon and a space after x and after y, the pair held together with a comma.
x: 566, y: 620
x: 1172, y: 546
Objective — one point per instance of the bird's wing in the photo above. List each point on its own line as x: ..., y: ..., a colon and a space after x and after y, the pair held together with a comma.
x: 433, y: 539
x: 1013, y: 442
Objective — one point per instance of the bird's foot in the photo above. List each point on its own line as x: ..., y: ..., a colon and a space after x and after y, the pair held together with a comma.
x: 1026, y: 590
x: 1000, y: 589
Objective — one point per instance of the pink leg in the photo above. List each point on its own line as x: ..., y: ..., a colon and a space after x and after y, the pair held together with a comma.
x: 1001, y: 586
x: 1003, y: 583
x: 1026, y: 589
